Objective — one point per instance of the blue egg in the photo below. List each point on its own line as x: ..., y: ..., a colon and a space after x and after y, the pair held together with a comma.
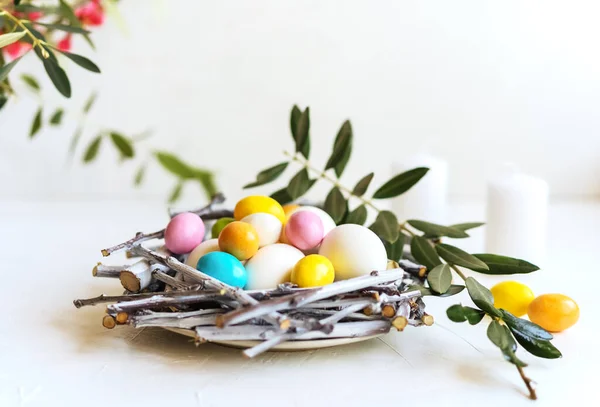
x: 224, y: 267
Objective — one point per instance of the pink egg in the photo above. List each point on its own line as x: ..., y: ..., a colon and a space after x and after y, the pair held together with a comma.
x: 184, y: 232
x: 304, y: 230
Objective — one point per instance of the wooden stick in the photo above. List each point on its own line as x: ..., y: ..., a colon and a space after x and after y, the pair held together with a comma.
x: 170, y: 281
x: 136, y: 277
x: 108, y: 322
x: 102, y: 270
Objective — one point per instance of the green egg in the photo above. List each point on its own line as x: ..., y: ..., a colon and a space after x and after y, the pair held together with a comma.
x: 219, y: 225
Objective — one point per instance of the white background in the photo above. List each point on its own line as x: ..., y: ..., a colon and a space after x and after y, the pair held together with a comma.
x: 474, y: 82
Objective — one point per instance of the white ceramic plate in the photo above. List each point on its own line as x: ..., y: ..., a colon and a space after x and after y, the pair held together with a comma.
x: 285, y: 346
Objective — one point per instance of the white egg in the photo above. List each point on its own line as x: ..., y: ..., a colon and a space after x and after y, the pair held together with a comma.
x: 271, y: 265
x: 267, y: 226
x: 211, y: 245
x: 328, y: 222
x: 354, y: 251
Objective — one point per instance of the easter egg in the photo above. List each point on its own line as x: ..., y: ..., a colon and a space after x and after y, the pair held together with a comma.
x: 219, y: 225
x: 354, y: 251
x: 304, y: 230
x: 266, y: 225
x: 328, y: 222
x: 272, y: 265
x: 512, y: 296
x: 313, y: 271
x: 289, y: 208
x: 211, y: 245
x: 258, y: 204
x: 184, y: 232
x: 239, y: 239
x: 553, y: 312
x: 224, y: 267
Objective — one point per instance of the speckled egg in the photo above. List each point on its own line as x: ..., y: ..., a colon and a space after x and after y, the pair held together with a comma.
x: 272, y: 265
x: 239, y: 239
x: 328, y: 222
x: 354, y: 251
x: 211, y: 245
x: 266, y: 225
x: 258, y: 204
x: 304, y: 230
x: 224, y: 267
x: 184, y: 232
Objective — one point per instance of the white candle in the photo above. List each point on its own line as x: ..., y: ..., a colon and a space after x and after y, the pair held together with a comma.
x: 428, y: 198
x: 517, y: 208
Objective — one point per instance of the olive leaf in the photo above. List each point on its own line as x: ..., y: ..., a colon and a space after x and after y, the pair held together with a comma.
x: 31, y: 82
x: 3, y: 100
x: 482, y: 297
x: 400, y: 183
x: 65, y: 28
x: 282, y: 196
x: 123, y: 145
x: 5, y: 69
x: 56, y: 117
x: 467, y: 226
x: 207, y: 181
x: 539, y: 347
x: 361, y: 186
x: 36, y: 125
x: 505, y: 265
x: 58, y: 77
x: 89, y: 103
x: 301, y: 134
x: 339, y: 168
x: 501, y: 337
x: 139, y: 175
x: 67, y: 11
x: 424, y: 253
x: 358, y: 216
x: 433, y: 229
x: 268, y: 175
x: 294, y: 117
x: 7, y: 39
x: 525, y: 327
x: 343, y: 142
x: 299, y: 184
x: 176, y: 193
x: 386, y: 226
x: 75, y: 140
x: 174, y: 165
x: 80, y: 60
x: 460, y: 313
x: 440, y: 278
x: 454, y: 255
x: 92, y: 150
x: 395, y: 250
x: 336, y: 205
x: 453, y: 290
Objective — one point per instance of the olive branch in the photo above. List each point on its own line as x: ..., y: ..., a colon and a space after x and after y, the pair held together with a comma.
x: 423, y: 240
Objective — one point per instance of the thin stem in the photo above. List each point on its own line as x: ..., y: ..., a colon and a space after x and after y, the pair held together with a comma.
x: 457, y: 270
x: 527, y: 380
x: 36, y: 40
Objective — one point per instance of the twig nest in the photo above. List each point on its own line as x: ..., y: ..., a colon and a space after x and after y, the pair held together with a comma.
x: 224, y: 267
x: 354, y: 251
x: 304, y: 230
x: 272, y: 265
x: 239, y: 239
x: 268, y: 227
x: 184, y: 232
x: 211, y: 245
x: 313, y: 270
x: 258, y: 204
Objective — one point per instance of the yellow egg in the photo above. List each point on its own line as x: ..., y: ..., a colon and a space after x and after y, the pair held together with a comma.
x: 289, y: 208
x: 313, y: 271
x: 239, y: 239
x: 553, y: 312
x: 512, y: 296
x: 258, y: 204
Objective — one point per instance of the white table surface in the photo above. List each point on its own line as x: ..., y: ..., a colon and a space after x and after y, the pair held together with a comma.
x: 52, y: 354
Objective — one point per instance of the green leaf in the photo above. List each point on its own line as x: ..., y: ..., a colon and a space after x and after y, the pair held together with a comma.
x: 56, y: 117
x: 433, y: 229
x: 454, y: 255
x: 176, y: 193
x: 89, y: 103
x: 36, y: 124
x: 440, y: 278
x: 395, y: 250
x: 460, y: 313
x: 123, y: 145
x: 453, y: 290
x: 358, y: 216
x: 525, y: 327
x: 467, y: 226
x: 400, y: 183
x: 299, y: 184
x: 339, y: 168
x: 386, y: 226
x: 455, y: 313
x: 501, y: 337
x: 343, y: 141
x: 65, y: 28
x: 268, y: 175
x: 294, y: 118
x: 207, y: 181
x: 174, y: 165
x: 539, y: 347
x: 75, y: 140
x: 67, y: 11
x: 361, y: 186
x: 31, y: 82
x: 482, y: 297
x: 3, y: 100
x: 5, y: 69
x: 92, y: 150
x: 139, y: 175
x: 282, y: 196
x: 81, y: 61
x: 301, y: 134
x: 336, y: 205
x: 505, y: 265
x: 424, y: 253
x: 7, y: 39
x: 58, y: 76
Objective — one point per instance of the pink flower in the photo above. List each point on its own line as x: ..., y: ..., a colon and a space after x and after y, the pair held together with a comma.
x: 16, y: 49
x: 65, y: 43
x: 34, y: 16
x: 91, y: 14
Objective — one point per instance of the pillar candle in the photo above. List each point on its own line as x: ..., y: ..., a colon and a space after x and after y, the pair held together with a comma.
x: 428, y: 198
x: 517, y: 207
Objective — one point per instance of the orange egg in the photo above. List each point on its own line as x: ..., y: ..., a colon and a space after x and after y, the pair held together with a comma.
x: 239, y: 239
x: 553, y: 312
x: 289, y: 208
